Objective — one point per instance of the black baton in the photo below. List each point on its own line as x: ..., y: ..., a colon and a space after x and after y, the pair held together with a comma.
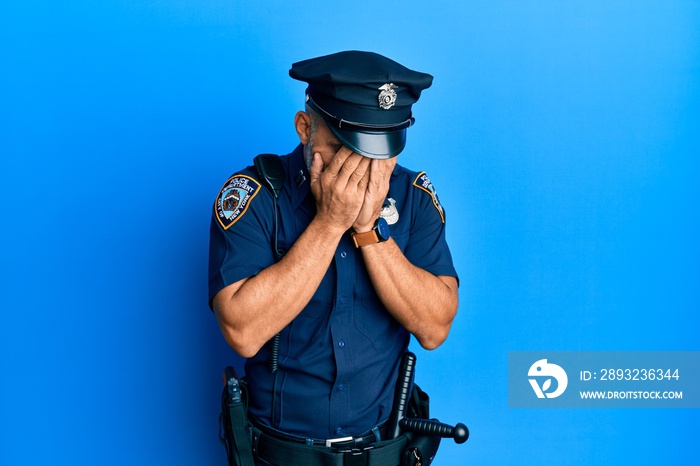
x: 402, y: 394
x: 398, y: 420
x: 432, y: 428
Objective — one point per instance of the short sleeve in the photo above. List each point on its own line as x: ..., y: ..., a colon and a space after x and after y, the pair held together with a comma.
x: 240, y: 232
x: 427, y: 247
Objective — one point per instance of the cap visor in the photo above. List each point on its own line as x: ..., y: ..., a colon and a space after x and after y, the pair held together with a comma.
x: 375, y: 145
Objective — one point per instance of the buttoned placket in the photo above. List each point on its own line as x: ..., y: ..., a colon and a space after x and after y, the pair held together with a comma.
x: 344, y: 261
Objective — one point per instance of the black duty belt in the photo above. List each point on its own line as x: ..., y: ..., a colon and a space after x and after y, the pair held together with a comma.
x: 365, y: 450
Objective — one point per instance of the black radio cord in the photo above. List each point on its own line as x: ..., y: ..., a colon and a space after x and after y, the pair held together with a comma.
x: 275, y: 342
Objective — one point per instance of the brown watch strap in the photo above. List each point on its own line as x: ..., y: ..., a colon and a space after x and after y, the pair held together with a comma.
x: 366, y: 238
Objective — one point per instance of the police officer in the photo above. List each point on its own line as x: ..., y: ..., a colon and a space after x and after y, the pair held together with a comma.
x: 362, y: 263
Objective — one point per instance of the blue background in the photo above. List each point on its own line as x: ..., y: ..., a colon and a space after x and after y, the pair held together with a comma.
x: 563, y: 138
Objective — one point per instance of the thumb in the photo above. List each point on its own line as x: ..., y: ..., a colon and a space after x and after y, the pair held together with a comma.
x: 316, y: 167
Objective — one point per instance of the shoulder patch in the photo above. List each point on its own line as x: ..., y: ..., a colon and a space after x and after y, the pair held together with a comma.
x: 423, y: 182
x: 234, y: 198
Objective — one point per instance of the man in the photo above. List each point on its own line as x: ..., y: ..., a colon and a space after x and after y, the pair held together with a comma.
x: 364, y: 262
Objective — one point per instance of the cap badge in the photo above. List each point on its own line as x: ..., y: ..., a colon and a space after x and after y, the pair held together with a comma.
x: 387, y: 98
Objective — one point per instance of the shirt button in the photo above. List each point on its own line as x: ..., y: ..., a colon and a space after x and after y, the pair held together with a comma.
x: 339, y: 430
x: 341, y: 387
x: 341, y: 343
x: 343, y: 254
x: 343, y: 299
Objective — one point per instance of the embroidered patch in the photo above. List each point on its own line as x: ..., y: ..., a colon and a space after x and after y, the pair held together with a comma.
x: 234, y: 198
x: 423, y: 182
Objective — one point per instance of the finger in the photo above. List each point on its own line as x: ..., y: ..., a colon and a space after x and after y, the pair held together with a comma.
x: 348, y: 169
x: 386, y: 167
x: 376, y: 175
x: 360, y: 177
x: 338, y: 161
x: 385, y: 170
x: 378, y: 186
x: 316, y: 167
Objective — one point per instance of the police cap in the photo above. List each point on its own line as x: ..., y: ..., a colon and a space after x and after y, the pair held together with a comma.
x: 364, y: 98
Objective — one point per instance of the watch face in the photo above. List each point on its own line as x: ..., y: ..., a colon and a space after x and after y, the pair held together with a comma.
x: 383, y: 230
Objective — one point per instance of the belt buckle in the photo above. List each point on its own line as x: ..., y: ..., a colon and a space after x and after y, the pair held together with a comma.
x: 331, y: 441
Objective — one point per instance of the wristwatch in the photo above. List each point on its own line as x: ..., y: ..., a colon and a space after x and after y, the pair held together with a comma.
x: 380, y: 232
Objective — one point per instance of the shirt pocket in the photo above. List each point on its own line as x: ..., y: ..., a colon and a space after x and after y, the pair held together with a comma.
x: 308, y: 328
x: 374, y: 322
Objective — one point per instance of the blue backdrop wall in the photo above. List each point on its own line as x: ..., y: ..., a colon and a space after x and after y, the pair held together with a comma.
x: 563, y: 139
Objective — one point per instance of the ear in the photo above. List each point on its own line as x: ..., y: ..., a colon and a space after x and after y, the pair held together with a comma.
x: 302, y: 124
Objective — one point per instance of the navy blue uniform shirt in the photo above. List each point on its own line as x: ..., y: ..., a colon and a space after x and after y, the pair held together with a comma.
x: 339, y: 357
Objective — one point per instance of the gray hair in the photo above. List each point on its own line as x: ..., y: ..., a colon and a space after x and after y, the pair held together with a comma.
x: 308, y: 149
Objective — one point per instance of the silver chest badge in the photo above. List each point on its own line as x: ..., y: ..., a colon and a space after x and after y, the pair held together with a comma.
x: 389, y: 212
x: 387, y: 98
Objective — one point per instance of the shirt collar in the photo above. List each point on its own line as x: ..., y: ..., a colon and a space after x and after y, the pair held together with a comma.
x: 299, y: 177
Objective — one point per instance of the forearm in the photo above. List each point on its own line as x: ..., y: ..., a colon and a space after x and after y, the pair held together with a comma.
x: 253, y: 310
x: 423, y: 303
